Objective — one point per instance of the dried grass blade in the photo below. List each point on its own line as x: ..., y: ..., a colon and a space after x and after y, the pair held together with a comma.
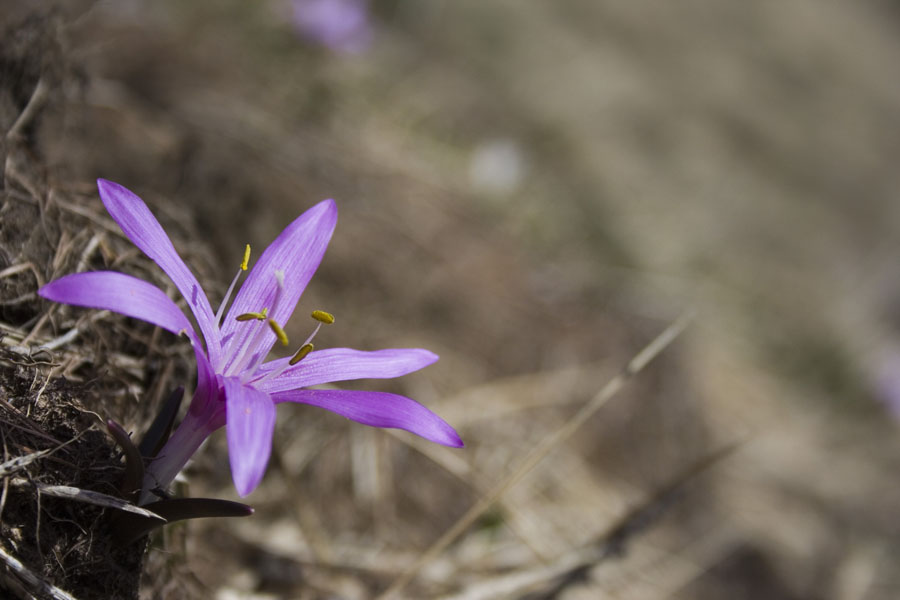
x: 88, y: 496
x: 37, y: 585
x: 634, y: 366
x: 20, y: 462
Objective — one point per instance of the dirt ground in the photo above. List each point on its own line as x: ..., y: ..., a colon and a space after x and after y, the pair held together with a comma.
x: 534, y: 191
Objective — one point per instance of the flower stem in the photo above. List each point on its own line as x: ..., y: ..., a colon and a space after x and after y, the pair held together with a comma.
x: 187, y: 438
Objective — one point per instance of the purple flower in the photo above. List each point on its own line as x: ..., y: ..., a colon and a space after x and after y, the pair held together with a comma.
x: 236, y: 387
x: 342, y: 25
x: 886, y: 379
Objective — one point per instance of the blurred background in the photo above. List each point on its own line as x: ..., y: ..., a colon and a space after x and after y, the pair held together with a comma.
x: 534, y: 190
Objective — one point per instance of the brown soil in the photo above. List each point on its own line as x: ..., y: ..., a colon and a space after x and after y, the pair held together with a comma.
x: 59, y: 400
x: 737, y: 158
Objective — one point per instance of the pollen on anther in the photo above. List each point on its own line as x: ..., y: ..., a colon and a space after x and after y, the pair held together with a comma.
x: 259, y: 316
x: 323, y: 317
x: 246, y: 260
x: 279, y: 332
x: 301, y: 354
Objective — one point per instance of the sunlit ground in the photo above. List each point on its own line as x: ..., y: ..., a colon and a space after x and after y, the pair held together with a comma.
x: 535, y: 191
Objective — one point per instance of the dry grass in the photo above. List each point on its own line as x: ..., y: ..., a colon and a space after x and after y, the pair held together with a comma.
x: 735, y: 158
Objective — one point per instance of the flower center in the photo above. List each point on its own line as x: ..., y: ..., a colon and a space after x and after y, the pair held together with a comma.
x: 323, y: 318
x: 245, y: 350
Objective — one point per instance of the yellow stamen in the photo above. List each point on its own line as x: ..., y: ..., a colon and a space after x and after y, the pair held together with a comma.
x: 259, y: 316
x: 323, y: 317
x: 246, y: 258
x: 301, y: 354
x: 279, y: 332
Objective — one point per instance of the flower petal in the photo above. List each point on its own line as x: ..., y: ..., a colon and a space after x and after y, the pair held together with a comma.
x: 142, y: 228
x: 378, y: 409
x: 119, y: 293
x: 250, y: 421
x: 207, y: 393
x: 296, y: 252
x: 341, y: 364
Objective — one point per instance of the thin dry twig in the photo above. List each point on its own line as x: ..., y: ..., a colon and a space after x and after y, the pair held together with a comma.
x: 20, y: 462
x: 634, y: 366
x: 14, y: 174
x: 64, y: 339
x: 38, y: 99
x: 10, y: 466
x: 104, y: 223
x: 16, y: 268
x: 4, y: 492
x: 88, y: 251
x: 463, y: 471
x: 36, y: 584
x: 569, y: 568
x: 26, y: 424
x: 90, y: 497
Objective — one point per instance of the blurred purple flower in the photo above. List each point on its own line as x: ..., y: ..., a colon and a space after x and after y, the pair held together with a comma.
x: 886, y: 379
x: 235, y: 386
x: 341, y: 25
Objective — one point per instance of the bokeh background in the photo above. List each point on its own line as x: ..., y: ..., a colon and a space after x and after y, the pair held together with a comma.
x: 534, y: 190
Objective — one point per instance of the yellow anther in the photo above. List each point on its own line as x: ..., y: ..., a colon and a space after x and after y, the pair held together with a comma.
x: 246, y: 258
x: 259, y: 316
x: 301, y: 354
x: 279, y: 332
x: 323, y: 317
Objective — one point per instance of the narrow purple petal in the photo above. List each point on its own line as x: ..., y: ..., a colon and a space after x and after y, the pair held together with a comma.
x: 296, y: 252
x: 341, y: 364
x: 119, y: 293
x: 250, y: 421
x: 378, y: 409
x: 207, y: 393
x: 142, y: 228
